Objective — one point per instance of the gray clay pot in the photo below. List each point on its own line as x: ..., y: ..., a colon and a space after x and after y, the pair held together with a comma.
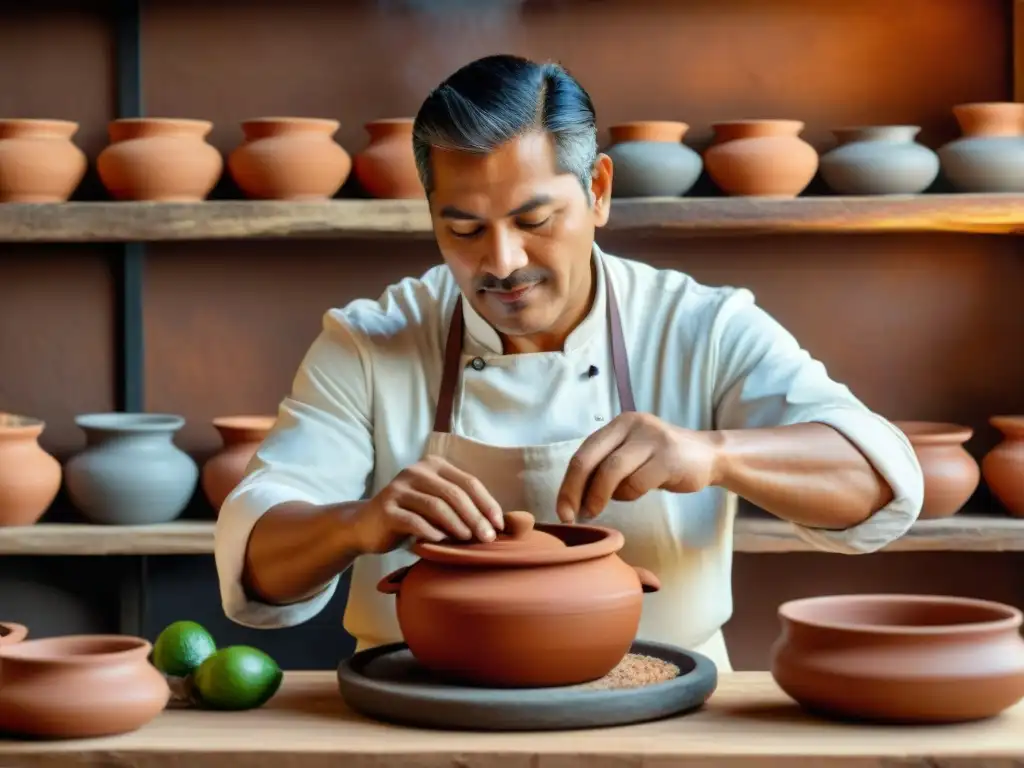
x: 990, y: 155
x: 131, y: 472
x: 650, y: 160
x: 879, y: 160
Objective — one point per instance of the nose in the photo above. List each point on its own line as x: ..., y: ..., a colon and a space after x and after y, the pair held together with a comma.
x: 506, y: 253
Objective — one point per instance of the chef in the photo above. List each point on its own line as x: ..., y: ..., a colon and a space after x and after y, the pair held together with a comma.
x: 533, y: 371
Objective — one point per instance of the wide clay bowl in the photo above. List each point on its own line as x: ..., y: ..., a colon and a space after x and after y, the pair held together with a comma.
x: 545, y: 606
x: 900, y: 658
x: 11, y: 633
x: 78, y: 686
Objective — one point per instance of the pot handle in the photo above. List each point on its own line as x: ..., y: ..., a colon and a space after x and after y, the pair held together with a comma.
x: 391, y: 583
x: 648, y: 580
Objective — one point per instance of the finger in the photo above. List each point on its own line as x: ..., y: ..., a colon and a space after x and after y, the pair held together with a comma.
x: 477, y: 493
x: 437, y: 512
x: 590, y: 454
x: 610, y: 474
x: 411, y: 524
x: 436, y: 484
x: 648, y: 477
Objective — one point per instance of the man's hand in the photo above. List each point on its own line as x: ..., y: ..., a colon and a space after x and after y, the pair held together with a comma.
x: 431, y: 500
x: 633, y: 454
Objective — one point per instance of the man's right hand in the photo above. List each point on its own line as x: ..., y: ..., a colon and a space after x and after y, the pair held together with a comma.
x: 431, y: 500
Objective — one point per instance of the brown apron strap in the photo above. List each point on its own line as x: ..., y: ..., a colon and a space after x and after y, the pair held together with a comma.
x: 453, y: 357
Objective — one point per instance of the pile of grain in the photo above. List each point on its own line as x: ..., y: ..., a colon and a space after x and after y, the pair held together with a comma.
x: 635, y: 671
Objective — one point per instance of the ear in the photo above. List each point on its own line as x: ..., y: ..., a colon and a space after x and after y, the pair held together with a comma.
x: 601, y: 189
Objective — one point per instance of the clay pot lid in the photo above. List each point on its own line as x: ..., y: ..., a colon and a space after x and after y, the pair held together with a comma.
x: 522, y: 544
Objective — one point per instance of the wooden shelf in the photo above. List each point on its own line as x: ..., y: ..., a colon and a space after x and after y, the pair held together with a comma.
x: 962, y: 533
x: 241, y: 219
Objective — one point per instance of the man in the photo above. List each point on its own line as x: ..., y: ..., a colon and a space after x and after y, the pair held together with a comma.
x: 533, y: 371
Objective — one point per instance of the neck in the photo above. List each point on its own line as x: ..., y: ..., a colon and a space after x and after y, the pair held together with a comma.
x: 553, y: 339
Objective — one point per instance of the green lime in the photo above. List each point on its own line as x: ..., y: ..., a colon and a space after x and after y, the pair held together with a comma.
x: 181, y: 648
x: 237, y: 677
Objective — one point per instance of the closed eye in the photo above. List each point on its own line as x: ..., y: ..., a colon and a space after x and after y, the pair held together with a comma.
x: 534, y: 224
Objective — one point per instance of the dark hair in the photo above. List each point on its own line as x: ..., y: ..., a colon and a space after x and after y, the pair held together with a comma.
x: 498, y: 98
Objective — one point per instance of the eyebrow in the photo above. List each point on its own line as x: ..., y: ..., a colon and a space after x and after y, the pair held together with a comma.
x: 451, y: 212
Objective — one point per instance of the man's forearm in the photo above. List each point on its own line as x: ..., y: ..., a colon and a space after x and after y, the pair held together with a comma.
x: 296, y: 549
x: 807, y: 473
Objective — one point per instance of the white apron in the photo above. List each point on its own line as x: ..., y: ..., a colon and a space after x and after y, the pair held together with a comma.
x: 529, y: 477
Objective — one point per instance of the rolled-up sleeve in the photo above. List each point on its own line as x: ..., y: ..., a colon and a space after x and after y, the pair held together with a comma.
x: 320, y: 451
x: 763, y: 378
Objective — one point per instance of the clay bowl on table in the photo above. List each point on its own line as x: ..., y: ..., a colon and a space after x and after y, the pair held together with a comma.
x: 11, y: 633
x: 78, y: 686
x: 900, y: 658
x: 537, y: 607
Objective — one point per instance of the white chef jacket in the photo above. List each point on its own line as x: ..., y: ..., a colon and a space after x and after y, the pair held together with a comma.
x: 362, y: 407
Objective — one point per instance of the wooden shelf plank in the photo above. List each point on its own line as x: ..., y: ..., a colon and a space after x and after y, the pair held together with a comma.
x: 962, y: 533
x: 242, y: 219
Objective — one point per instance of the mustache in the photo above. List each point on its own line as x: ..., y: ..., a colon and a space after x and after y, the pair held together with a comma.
x: 512, y: 282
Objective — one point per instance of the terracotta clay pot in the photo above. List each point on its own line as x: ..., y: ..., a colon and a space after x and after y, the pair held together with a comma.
x: 1003, y: 466
x: 545, y: 606
x: 900, y: 658
x: 106, y: 686
x: 224, y: 470
x: 159, y: 159
x: 951, y: 475
x: 11, y: 633
x: 760, y: 158
x: 386, y: 168
x: 879, y: 160
x: 650, y: 159
x: 289, y: 158
x: 989, y: 157
x: 38, y: 161
x: 29, y: 476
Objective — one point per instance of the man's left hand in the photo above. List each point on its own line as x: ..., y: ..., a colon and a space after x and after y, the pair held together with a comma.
x: 633, y: 454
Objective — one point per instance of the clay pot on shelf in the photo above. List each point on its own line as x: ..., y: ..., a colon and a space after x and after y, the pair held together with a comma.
x: 289, y: 158
x: 38, y: 161
x: 386, y: 167
x: 760, y: 158
x: 1003, y: 466
x: 224, y: 470
x: 29, y: 476
x: 951, y: 475
x: 545, y: 606
x: 989, y: 157
x: 106, y: 686
x: 11, y: 633
x: 900, y: 658
x: 159, y: 159
x: 879, y: 160
x: 131, y: 472
x: 650, y: 160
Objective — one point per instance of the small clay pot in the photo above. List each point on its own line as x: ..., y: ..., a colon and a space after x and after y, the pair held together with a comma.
x: 537, y: 607
x: 224, y: 470
x: 29, y: 477
x: 879, y: 160
x: 386, y: 167
x: 900, y: 658
x: 289, y: 158
x: 38, y: 161
x: 79, y: 686
x: 650, y: 160
x: 159, y: 159
x: 951, y: 475
x: 1003, y: 466
x: 760, y: 158
x: 989, y: 157
x: 11, y: 633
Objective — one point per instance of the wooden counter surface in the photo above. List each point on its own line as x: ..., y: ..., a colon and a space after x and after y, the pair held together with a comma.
x: 748, y: 722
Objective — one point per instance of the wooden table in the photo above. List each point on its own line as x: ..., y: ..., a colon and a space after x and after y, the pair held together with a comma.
x: 748, y: 722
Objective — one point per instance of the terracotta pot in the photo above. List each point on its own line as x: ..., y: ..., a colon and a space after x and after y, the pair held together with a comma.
x: 386, y: 168
x: 900, y: 658
x: 11, y: 633
x: 106, y: 686
x: 879, y: 160
x: 38, y: 161
x: 538, y: 607
x: 289, y: 158
x: 1003, y: 466
x: 951, y: 475
x: 224, y: 470
x: 989, y: 157
x: 29, y: 476
x: 159, y: 159
x: 761, y: 158
x: 650, y: 160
